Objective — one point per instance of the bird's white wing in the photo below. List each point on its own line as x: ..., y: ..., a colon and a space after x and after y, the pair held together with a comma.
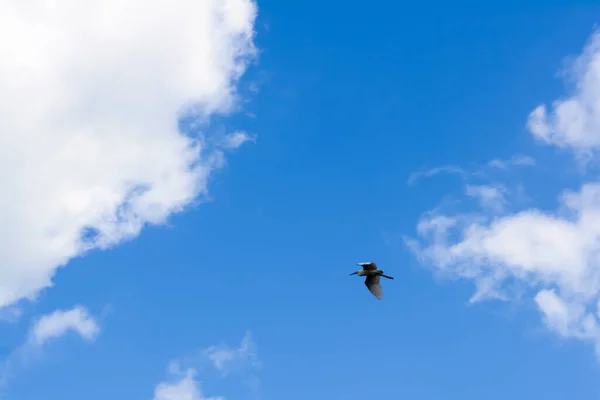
x: 368, y: 266
x: 374, y: 286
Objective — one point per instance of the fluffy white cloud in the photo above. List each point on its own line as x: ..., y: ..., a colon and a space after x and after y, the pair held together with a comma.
x: 90, y: 95
x: 60, y: 322
x: 574, y: 122
x: 569, y: 319
x: 556, y: 255
x: 184, y: 387
x: 533, y: 246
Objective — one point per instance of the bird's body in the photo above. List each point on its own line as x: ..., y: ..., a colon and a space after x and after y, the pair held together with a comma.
x: 373, y: 274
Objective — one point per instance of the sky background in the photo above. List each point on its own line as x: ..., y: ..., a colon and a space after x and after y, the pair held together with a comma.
x: 344, y: 102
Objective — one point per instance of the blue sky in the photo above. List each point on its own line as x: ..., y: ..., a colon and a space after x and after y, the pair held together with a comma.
x: 238, y: 270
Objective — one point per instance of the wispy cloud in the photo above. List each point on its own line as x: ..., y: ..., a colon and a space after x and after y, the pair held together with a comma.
x: 10, y: 314
x: 446, y: 169
x: 515, y: 161
x: 47, y: 328
x: 491, y: 197
x: 225, y: 358
x: 555, y: 254
x: 236, y: 139
x: 477, y: 171
x: 182, y: 382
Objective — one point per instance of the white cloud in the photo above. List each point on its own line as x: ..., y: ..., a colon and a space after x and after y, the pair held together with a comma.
x: 236, y: 139
x: 47, y: 328
x: 446, y: 169
x: 90, y: 95
x: 524, y: 161
x: 531, y: 245
x: 183, y: 387
x: 574, y: 122
x: 60, y: 322
x: 489, y: 196
x: 569, y: 319
x: 478, y: 171
x: 555, y: 255
x: 10, y: 314
x: 542, y: 250
x: 226, y: 358
x: 183, y: 384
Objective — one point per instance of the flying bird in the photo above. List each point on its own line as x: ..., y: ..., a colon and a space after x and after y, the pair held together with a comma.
x: 373, y: 274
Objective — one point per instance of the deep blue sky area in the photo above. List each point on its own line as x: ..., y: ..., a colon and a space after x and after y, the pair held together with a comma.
x: 352, y: 98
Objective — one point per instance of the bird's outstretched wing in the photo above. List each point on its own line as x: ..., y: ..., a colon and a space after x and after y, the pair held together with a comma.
x: 368, y: 266
x: 374, y: 286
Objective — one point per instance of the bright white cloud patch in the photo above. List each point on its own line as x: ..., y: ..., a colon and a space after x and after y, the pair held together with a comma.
x: 90, y: 95
x: 530, y: 245
x: 182, y: 387
x: 61, y: 322
x: 555, y: 254
x: 565, y: 318
x: 575, y: 121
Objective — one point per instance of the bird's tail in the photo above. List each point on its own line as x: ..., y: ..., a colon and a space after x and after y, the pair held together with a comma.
x: 389, y: 277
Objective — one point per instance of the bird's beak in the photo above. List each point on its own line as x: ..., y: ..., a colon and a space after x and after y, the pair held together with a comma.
x: 354, y: 273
